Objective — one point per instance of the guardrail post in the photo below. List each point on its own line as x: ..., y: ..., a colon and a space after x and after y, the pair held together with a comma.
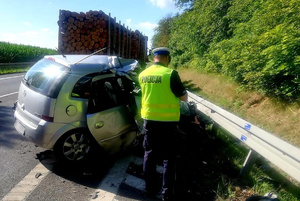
x: 249, y: 162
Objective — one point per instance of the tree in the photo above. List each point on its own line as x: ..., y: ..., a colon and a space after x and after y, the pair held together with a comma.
x: 263, y: 53
x: 162, y: 32
x: 184, y: 3
x: 256, y: 42
x: 196, y: 29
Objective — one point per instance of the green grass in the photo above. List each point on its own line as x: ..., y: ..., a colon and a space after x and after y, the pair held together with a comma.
x: 15, y: 69
x: 279, y: 118
x: 262, y: 179
x: 13, y: 53
x: 272, y: 116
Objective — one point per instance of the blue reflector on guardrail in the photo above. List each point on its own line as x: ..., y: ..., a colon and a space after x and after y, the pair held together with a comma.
x: 243, y: 138
x: 247, y: 127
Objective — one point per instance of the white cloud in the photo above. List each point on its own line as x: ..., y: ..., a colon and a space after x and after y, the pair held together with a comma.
x: 147, y: 25
x: 128, y: 21
x: 163, y: 4
x: 8, y: 37
x: 46, y: 30
x: 30, y: 34
x: 147, y: 29
x: 27, y: 23
x: 43, y: 38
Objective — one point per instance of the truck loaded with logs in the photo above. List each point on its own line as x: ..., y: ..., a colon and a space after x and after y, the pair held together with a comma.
x: 85, y: 33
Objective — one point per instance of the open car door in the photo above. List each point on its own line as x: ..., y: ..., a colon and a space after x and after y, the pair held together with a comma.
x: 109, y: 118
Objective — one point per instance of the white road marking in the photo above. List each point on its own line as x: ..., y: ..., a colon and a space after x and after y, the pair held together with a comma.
x: 8, y: 94
x: 107, y: 189
x: 6, y: 78
x: 23, y: 189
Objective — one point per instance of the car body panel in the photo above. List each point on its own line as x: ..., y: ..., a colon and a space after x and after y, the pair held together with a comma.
x: 65, y: 101
x: 63, y: 130
x: 44, y: 117
x: 34, y: 104
x: 109, y: 127
x: 41, y: 134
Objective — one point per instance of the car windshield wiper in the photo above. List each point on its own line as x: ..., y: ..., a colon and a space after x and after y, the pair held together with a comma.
x: 26, y: 82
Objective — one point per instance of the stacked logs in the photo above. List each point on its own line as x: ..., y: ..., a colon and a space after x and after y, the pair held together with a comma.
x: 85, y: 33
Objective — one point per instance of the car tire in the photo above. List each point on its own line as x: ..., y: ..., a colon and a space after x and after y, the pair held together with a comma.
x: 75, y: 146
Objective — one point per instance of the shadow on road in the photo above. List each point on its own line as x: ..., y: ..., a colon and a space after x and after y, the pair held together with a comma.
x: 8, y: 135
x: 87, y: 173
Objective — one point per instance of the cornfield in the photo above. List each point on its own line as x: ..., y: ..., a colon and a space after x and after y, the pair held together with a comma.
x: 11, y: 53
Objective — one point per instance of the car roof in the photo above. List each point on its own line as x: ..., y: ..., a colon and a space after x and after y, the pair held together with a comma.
x: 94, y: 63
x: 69, y: 60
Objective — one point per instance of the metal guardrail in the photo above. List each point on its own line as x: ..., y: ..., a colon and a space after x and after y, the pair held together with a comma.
x: 282, y: 154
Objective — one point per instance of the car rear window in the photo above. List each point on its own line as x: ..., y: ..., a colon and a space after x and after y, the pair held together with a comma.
x: 46, y: 77
x: 81, y: 88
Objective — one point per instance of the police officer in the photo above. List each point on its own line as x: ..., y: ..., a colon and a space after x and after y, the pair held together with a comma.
x: 162, y: 91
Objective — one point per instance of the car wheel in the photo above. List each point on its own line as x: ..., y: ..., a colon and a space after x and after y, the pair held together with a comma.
x: 74, y: 146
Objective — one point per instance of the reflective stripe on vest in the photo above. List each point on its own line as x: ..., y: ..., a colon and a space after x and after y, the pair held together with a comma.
x: 158, y: 101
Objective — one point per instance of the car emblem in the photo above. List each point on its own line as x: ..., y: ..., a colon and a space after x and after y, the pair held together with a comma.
x: 24, y: 93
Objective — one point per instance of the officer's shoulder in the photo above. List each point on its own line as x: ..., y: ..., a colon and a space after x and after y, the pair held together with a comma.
x: 174, y: 72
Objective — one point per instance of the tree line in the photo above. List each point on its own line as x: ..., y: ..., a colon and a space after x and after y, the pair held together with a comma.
x: 255, y: 42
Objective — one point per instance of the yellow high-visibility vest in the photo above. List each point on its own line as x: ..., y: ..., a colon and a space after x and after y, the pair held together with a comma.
x: 158, y: 101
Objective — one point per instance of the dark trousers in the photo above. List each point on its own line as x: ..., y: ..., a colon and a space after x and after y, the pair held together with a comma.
x: 159, y: 147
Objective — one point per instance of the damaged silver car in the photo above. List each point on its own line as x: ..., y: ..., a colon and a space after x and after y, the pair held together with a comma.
x: 69, y: 103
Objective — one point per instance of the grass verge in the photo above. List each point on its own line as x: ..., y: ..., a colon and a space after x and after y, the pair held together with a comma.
x: 14, y: 69
x: 262, y: 179
x: 276, y: 117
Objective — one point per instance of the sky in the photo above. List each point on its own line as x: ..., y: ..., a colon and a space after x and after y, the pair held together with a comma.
x: 34, y: 22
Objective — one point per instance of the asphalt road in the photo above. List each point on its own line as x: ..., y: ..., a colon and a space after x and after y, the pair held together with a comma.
x: 32, y: 173
x: 15, y: 153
